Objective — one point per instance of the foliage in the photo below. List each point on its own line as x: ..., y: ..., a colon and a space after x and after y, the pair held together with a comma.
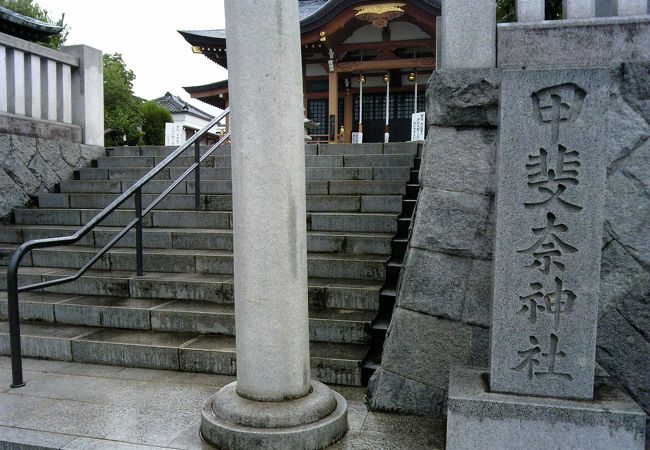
x: 154, y: 118
x: 506, y: 10
x: 31, y: 9
x: 121, y: 108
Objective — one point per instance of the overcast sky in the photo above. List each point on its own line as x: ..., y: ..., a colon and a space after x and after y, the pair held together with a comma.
x: 145, y: 33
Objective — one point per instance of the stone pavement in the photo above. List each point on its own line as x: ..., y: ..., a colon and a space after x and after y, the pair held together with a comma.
x: 88, y: 406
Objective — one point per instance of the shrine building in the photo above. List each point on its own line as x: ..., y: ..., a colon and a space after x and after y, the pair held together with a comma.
x: 380, y: 52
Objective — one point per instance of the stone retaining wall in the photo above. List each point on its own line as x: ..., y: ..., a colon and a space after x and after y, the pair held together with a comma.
x: 29, y: 165
x: 444, y: 297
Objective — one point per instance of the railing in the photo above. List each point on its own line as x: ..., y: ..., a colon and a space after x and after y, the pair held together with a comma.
x: 136, y: 190
x: 60, y: 86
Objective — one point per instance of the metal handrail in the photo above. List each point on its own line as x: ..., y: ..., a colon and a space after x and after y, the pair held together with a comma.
x: 136, y: 190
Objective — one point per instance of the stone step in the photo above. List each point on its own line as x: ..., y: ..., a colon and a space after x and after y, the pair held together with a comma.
x: 331, y: 362
x: 322, y: 293
x: 315, y: 203
x: 225, y: 173
x: 222, y: 161
x: 411, y: 148
x: 336, y: 187
x: 161, y: 150
x: 319, y: 265
x: 203, y: 239
x: 352, y: 222
x: 176, y: 316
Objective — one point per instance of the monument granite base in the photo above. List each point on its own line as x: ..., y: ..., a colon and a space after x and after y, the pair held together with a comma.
x: 315, y: 421
x: 480, y: 419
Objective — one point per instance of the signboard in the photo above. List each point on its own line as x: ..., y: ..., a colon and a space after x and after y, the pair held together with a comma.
x: 174, y: 134
x: 357, y: 137
x: 417, y: 126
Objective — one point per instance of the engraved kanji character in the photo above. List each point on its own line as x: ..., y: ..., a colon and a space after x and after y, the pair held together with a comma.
x: 548, y: 245
x: 553, y: 181
x: 529, y: 361
x: 552, y: 356
x: 540, y: 301
x: 556, y: 104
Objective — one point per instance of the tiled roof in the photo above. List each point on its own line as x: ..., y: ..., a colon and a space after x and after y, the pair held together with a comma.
x: 177, y: 105
x: 26, y: 27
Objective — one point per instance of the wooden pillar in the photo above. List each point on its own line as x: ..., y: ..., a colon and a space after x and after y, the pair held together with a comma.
x: 347, y: 117
x: 333, y: 106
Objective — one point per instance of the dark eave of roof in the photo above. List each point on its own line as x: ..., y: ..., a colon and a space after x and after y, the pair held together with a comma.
x: 26, y: 27
x: 207, y: 87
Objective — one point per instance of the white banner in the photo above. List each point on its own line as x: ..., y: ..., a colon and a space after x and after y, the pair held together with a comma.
x: 417, y: 126
x: 174, y: 134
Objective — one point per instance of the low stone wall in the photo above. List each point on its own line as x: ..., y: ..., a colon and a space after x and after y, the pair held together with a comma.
x: 444, y: 298
x: 29, y: 165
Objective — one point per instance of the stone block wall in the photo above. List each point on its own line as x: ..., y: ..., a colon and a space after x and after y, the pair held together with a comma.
x: 29, y: 165
x: 444, y: 296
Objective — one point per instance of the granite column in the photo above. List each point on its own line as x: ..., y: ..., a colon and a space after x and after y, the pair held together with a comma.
x: 274, y: 403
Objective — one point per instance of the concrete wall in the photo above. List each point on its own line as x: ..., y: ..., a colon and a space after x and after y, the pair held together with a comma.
x: 443, y: 306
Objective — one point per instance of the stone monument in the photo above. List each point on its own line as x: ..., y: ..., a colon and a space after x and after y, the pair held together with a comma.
x: 551, y: 165
x: 274, y: 404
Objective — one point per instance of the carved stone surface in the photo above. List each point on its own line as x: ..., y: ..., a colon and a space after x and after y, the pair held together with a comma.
x: 472, y: 167
x: 574, y: 43
x: 29, y: 165
x: 468, y: 50
x: 480, y: 419
x: 463, y: 97
x: 551, y: 185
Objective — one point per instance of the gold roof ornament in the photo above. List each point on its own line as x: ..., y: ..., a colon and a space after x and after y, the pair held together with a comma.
x: 379, y: 14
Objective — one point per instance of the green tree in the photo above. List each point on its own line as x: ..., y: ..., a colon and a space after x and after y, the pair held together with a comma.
x: 506, y: 10
x: 154, y: 118
x: 32, y: 9
x: 121, y: 108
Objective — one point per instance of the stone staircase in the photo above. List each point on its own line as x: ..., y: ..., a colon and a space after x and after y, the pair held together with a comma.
x: 180, y: 314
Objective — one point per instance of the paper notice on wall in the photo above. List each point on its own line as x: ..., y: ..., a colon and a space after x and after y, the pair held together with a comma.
x: 417, y: 126
x: 174, y: 134
x: 357, y: 137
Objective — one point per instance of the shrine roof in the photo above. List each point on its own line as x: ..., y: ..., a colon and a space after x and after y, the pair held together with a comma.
x: 177, y: 105
x: 25, y: 27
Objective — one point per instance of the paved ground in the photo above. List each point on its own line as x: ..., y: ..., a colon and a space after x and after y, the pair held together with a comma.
x: 88, y: 406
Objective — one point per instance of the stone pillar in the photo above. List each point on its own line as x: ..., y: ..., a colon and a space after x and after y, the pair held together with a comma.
x: 632, y: 7
x: 88, y: 93
x: 3, y: 76
x: 48, y: 78
x: 273, y: 390
x: 474, y: 49
x: 16, y: 83
x: 530, y: 10
x: 64, y: 93
x: 579, y: 9
x: 33, y: 86
x: 439, y: 43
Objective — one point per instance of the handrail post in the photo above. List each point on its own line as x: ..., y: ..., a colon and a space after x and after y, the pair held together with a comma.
x: 197, y: 175
x: 138, y: 233
x: 14, y: 327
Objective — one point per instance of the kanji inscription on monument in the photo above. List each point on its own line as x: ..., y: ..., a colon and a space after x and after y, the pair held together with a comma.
x: 550, y: 191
